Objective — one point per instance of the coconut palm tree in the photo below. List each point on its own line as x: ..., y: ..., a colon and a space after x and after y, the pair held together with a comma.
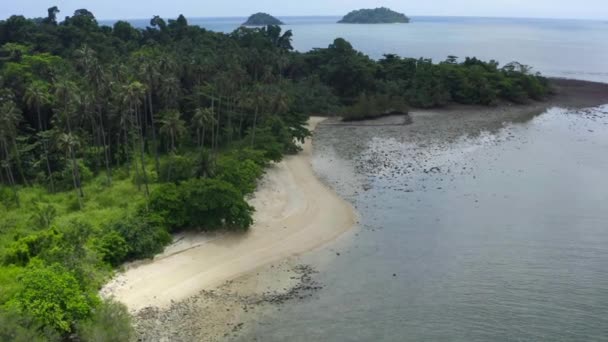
x: 134, y: 95
x: 68, y: 143
x: 200, y: 121
x: 9, y: 119
x: 37, y: 96
x: 172, y: 126
x: 10, y: 116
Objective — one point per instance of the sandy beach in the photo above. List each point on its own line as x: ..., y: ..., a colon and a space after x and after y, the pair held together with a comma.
x: 295, y: 213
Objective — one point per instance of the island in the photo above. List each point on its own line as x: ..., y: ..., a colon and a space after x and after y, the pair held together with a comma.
x: 262, y: 19
x: 380, y: 15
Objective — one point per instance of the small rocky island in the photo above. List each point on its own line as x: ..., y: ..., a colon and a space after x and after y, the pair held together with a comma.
x: 380, y: 15
x: 262, y: 19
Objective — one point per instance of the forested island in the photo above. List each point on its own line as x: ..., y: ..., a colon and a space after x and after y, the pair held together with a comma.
x: 114, y: 138
x: 262, y: 19
x: 381, y: 15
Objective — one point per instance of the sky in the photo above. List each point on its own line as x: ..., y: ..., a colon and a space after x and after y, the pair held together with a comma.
x: 143, y: 9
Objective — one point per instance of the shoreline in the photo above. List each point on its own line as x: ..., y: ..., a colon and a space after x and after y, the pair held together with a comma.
x: 295, y: 213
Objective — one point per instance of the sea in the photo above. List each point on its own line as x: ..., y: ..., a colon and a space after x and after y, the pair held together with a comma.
x: 494, y: 234
x: 555, y: 47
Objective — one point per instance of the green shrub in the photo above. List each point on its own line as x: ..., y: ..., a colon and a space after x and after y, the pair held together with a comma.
x: 204, y: 204
x: 112, y: 247
x: 15, y: 327
x: 167, y: 201
x: 370, y: 107
x: 110, y: 321
x: 177, y: 168
x: 23, y: 250
x: 144, y: 234
x: 242, y: 174
x: 8, y: 197
x: 52, y: 296
x: 212, y: 204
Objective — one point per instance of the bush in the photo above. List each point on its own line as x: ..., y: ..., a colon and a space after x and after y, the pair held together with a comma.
x: 110, y: 322
x: 212, y: 204
x: 20, y: 252
x: 112, y: 247
x: 242, y: 174
x: 204, y: 204
x: 177, y: 169
x: 8, y: 197
x: 375, y: 106
x: 53, y: 297
x: 64, y: 180
x: 144, y: 234
x: 167, y: 202
x: 15, y: 327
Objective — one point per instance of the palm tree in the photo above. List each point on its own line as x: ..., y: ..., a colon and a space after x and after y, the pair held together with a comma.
x: 134, y: 94
x: 149, y: 72
x: 65, y: 93
x: 172, y: 126
x: 200, y: 121
x: 8, y: 128
x: 10, y: 116
x: 36, y: 96
x: 68, y: 143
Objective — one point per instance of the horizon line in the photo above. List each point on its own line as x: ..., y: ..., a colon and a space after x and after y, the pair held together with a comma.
x: 339, y: 16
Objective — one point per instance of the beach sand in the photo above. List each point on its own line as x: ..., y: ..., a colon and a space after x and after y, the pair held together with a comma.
x: 295, y: 213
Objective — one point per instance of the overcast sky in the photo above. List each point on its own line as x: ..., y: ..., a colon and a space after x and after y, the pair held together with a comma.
x: 128, y: 9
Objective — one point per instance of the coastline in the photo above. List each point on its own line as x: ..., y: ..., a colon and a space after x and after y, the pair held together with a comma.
x: 295, y: 213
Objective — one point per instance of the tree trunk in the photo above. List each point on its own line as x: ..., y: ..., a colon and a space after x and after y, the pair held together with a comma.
x: 46, y: 151
x: 255, y: 121
x: 156, y: 157
x: 105, y: 147
x: 19, y: 165
x: 76, y: 178
x: 142, y: 152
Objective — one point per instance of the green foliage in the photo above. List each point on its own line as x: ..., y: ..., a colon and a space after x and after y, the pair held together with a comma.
x: 110, y: 321
x: 15, y: 327
x: 112, y: 247
x: 203, y: 204
x: 242, y: 174
x: 52, y: 296
x: 262, y: 19
x: 144, y: 234
x: 167, y: 202
x: 8, y: 197
x: 380, y: 15
x: 176, y: 168
x: 370, y: 107
x: 23, y: 250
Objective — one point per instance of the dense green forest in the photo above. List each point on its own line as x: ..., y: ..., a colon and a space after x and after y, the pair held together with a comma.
x: 262, y: 19
x: 381, y: 15
x: 113, y: 138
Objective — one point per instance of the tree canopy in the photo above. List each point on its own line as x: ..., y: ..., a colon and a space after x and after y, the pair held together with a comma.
x: 381, y: 15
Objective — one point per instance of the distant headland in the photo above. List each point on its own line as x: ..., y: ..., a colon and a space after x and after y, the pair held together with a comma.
x: 262, y: 19
x: 380, y: 15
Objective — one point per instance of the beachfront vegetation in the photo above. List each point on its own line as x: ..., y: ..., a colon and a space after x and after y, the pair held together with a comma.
x: 381, y: 15
x: 112, y: 138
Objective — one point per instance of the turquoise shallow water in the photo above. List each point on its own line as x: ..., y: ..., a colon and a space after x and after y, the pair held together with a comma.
x: 562, y: 48
x: 507, y: 240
